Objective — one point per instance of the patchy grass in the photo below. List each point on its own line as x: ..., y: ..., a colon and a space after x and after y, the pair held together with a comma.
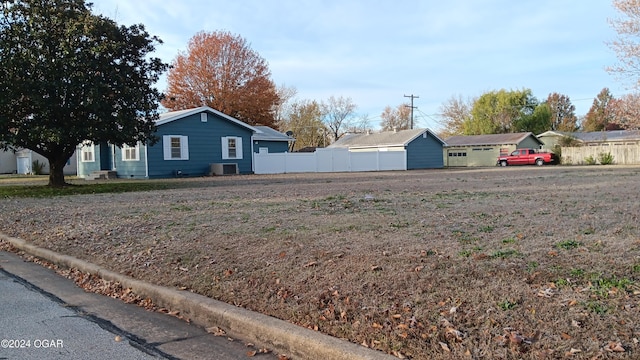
x: 447, y: 264
x: 44, y: 191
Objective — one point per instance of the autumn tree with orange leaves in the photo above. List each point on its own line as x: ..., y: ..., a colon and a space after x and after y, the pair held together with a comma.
x: 221, y: 71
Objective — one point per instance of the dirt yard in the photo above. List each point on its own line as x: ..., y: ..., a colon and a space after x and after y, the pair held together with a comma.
x: 499, y: 263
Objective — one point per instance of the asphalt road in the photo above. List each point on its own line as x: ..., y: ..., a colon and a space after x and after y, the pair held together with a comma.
x: 45, y: 316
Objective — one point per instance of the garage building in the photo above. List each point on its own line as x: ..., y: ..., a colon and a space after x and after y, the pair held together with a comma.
x: 483, y: 150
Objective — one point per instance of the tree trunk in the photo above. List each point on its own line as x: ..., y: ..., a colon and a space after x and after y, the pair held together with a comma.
x: 56, y: 172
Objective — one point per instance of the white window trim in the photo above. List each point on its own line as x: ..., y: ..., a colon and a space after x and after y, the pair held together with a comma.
x: 88, y: 149
x: 134, y: 149
x: 184, y: 147
x: 225, y: 148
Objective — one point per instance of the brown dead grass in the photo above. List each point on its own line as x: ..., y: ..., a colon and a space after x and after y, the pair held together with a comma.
x: 515, y: 263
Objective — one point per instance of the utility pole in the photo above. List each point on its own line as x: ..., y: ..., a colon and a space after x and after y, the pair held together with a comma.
x: 412, y: 107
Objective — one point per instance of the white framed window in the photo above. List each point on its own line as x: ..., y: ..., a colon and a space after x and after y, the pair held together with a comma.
x: 130, y: 153
x: 231, y: 147
x: 175, y: 147
x: 88, y: 153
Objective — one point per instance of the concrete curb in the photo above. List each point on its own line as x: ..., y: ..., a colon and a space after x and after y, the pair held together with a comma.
x: 264, y: 331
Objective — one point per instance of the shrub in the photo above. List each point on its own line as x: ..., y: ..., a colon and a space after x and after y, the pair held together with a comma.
x: 605, y: 158
x: 589, y: 160
x: 37, y: 168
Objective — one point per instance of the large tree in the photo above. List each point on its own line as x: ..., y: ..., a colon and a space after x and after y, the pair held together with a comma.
x: 220, y: 70
x: 626, y: 111
x: 338, y: 114
x: 496, y: 112
x: 601, y: 115
x: 398, y: 118
x: 627, y: 44
x: 563, y: 113
x: 69, y: 76
x: 304, y: 119
x: 454, y: 113
x: 537, y: 122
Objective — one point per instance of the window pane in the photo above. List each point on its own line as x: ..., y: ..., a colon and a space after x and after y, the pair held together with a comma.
x: 176, y: 152
x: 232, y: 147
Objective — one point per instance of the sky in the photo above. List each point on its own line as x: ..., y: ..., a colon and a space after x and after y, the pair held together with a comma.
x: 376, y: 52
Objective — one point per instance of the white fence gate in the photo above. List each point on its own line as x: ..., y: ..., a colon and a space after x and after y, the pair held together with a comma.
x: 329, y: 160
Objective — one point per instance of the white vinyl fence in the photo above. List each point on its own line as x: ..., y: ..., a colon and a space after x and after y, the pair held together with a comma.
x: 622, y: 154
x: 329, y: 160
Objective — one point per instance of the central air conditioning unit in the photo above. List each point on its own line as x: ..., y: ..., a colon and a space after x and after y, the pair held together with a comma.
x: 223, y: 169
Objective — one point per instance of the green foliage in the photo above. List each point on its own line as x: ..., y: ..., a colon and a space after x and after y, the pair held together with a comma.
x: 537, y: 123
x: 596, y: 307
x: 576, y: 272
x: 507, y: 305
x: 34, y: 191
x: 605, y: 158
x: 569, y: 141
x: 69, y: 76
x: 503, y: 254
x: 37, y: 167
x: 603, y: 286
x: 499, y: 111
x: 568, y: 244
x: 590, y: 160
x: 532, y: 266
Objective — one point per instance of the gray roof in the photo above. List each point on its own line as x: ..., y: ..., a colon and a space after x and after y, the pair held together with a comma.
x: 490, y: 139
x: 381, y: 139
x: 599, y: 136
x: 179, y: 114
x: 269, y: 134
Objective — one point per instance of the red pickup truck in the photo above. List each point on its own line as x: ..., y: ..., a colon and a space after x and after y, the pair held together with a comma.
x: 527, y: 157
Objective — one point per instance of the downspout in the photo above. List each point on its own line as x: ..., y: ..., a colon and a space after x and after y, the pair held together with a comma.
x: 253, y: 155
x: 146, y: 160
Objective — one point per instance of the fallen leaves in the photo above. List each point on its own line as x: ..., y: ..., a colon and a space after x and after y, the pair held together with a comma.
x: 614, y: 346
x: 310, y: 264
x: 216, y: 331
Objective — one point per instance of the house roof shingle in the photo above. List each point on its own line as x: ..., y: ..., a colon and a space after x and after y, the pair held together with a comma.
x: 179, y: 114
x: 490, y: 139
x: 269, y: 134
x: 599, y: 136
x: 382, y: 139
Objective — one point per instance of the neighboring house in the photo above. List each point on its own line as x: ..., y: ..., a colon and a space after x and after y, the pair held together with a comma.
x: 271, y: 141
x: 22, y: 162
x: 192, y: 142
x: 26, y: 160
x: 596, y: 138
x: 7, y: 162
x: 483, y: 150
x: 423, y: 148
x: 623, y: 145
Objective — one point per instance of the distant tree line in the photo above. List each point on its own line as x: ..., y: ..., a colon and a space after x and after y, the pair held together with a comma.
x: 69, y: 76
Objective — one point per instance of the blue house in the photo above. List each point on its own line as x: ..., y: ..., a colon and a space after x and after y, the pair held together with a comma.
x: 192, y: 142
x: 423, y: 147
x: 271, y: 141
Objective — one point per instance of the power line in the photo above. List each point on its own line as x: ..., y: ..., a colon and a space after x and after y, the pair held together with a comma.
x: 412, y: 107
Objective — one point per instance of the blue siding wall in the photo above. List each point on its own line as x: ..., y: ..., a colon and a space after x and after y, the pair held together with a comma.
x: 205, y: 146
x: 424, y: 153
x: 86, y: 168
x: 273, y: 146
x: 131, y: 169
